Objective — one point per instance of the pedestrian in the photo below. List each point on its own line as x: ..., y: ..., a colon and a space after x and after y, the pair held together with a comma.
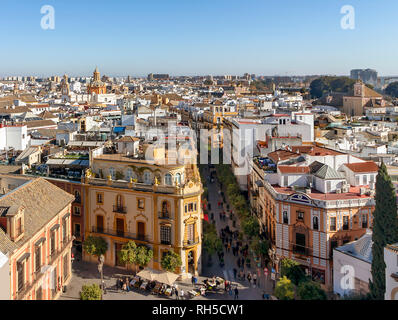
x: 235, y: 272
x: 193, y: 280
x: 255, y: 279
x: 249, y: 277
x: 177, y: 294
x: 229, y: 247
x: 182, y: 294
x: 236, y: 293
x: 226, y: 247
x: 238, y: 263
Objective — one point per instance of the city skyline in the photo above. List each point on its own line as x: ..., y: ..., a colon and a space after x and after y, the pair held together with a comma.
x: 179, y: 38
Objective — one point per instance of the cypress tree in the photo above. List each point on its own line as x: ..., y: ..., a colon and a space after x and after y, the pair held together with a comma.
x: 385, y: 230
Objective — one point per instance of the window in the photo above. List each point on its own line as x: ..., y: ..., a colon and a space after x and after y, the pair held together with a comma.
x: 64, y: 230
x: 119, y: 201
x: 165, y: 209
x: 38, y: 258
x: 77, y: 230
x: 52, y: 243
x: 21, y: 275
x: 100, y: 223
x: 300, y: 243
x: 165, y: 234
x: 364, y: 220
x: 365, y: 180
x: 77, y: 196
x: 147, y: 177
x: 357, y: 180
x: 372, y: 178
x: 315, y: 223
x: 141, y: 204
x: 129, y: 174
x: 100, y: 198
x: 345, y: 223
x: 300, y: 215
x: 76, y: 211
x: 190, y: 233
x: 112, y: 173
x: 328, y: 186
x: 178, y: 179
x: 333, y: 224
x: 285, y: 217
x: 168, y: 179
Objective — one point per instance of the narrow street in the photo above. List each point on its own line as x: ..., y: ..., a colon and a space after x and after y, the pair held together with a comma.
x: 247, y: 291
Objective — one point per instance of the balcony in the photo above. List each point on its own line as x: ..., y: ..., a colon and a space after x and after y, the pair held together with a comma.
x: 191, y: 242
x: 301, y: 250
x: 164, y: 216
x: 121, y: 233
x: 120, y: 209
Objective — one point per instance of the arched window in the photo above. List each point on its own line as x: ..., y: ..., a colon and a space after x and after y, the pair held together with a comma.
x: 129, y: 174
x: 147, y: 177
x: 315, y: 223
x: 177, y: 179
x: 168, y: 179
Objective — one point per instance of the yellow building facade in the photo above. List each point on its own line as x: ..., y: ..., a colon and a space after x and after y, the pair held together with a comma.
x: 151, y: 204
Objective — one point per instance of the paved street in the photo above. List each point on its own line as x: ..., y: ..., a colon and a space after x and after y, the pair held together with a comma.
x: 87, y: 273
x: 230, y: 260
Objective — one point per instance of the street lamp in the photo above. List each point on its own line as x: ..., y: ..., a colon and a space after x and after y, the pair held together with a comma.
x: 101, y: 271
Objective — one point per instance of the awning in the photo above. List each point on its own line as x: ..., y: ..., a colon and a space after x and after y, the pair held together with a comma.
x: 160, y: 276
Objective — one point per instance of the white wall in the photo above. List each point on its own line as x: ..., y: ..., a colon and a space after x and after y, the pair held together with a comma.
x: 14, y: 137
x: 5, y: 280
x: 361, y: 271
x: 391, y: 260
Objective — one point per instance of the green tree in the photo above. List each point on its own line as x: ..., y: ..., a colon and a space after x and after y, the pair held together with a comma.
x: 143, y: 256
x: 392, y: 89
x: 211, y: 241
x: 95, y: 246
x: 292, y: 270
x: 208, y: 82
x: 311, y: 290
x: 128, y: 253
x: 385, y: 230
x: 251, y: 227
x: 284, y: 289
x: 170, y: 261
x: 91, y: 292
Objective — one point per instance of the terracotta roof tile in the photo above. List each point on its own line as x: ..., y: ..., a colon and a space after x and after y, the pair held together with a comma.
x: 362, y: 167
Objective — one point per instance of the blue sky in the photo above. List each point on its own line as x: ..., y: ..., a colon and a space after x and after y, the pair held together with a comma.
x: 265, y: 37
